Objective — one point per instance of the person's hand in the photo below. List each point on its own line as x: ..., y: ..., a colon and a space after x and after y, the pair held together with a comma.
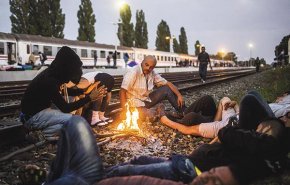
x: 98, y: 93
x: 229, y: 104
x: 91, y: 87
x: 278, y: 99
x: 180, y: 101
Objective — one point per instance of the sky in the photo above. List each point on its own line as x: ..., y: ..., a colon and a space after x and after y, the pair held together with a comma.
x: 228, y: 25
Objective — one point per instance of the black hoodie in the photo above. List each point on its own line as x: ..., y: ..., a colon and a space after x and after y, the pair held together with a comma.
x: 44, y: 89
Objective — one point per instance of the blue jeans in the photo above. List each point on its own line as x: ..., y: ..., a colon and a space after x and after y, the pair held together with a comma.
x: 179, y: 168
x: 158, y: 95
x: 253, y: 109
x: 48, y: 121
x: 77, y: 159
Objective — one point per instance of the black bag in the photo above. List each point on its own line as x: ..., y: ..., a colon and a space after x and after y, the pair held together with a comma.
x: 44, y: 57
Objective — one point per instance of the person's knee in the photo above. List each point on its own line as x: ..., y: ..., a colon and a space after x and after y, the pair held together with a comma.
x: 207, y: 98
x: 76, y: 123
x: 247, y: 99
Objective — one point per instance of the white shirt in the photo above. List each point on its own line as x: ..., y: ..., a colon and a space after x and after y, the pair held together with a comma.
x: 137, y: 84
x: 282, y: 107
x: 87, y: 79
x: 210, y: 130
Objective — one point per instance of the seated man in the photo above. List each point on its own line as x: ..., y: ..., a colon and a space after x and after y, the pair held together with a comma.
x: 138, y: 86
x: 46, y: 88
x: 206, y: 123
x: 96, y: 116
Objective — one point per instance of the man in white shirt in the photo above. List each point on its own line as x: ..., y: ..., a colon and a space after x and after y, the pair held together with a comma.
x: 138, y: 84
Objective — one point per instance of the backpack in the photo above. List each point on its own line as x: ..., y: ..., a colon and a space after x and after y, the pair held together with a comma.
x: 44, y: 57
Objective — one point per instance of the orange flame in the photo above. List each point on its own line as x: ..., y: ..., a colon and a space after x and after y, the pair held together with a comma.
x: 131, y: 119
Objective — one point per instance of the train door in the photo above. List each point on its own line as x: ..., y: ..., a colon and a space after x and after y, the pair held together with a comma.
x: 11, y: 52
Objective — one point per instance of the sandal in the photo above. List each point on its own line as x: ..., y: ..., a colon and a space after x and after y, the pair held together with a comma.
x: 33, y: 176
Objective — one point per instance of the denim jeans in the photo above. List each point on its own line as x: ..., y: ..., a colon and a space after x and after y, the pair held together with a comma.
x: 158, y: 95
x: 253, y: 109
x: 179, y: 168
x: 77, y: 159
x: 202, y: 71
x: 48, y: 121
x: 203, y: 110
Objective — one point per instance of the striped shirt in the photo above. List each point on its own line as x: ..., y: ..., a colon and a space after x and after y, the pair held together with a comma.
x: 137, y: 84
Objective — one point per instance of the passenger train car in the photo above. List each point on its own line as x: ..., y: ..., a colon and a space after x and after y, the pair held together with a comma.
x: 16, y: 48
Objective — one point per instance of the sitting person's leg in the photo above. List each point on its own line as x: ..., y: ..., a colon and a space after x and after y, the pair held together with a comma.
x: 163, y: 93
x: 104, y: 106
x: 48, y: 121
x: 253, y: 109
x: 77, y: 159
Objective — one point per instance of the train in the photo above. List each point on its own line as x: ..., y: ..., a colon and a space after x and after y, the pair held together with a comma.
x: 16, y: 48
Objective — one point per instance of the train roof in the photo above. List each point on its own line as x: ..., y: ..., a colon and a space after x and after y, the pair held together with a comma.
x: 53, y: 40
x: 154, y: 52
x: 7, y: 37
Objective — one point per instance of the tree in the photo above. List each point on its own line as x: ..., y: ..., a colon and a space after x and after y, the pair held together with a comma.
x: 126, y: 29
x: 42, y: 17
x: 57, y: 19
x: 176, y: 47
x: 20, y: 16
x: 162, y: 32
x: 197, y: 48
x: 141, y: 32
x: 86, y: 21
x: 183, y: 41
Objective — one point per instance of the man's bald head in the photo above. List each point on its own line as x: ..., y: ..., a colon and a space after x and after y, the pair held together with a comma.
x: 148, y: 64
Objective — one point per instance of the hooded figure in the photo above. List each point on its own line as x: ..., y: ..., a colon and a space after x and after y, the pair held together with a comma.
x: 46, y: 89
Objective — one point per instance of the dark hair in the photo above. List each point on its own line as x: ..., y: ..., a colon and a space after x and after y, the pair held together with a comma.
x: 277, y: 126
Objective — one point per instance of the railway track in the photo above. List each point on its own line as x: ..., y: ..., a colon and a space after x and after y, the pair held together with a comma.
x: 7, y: 128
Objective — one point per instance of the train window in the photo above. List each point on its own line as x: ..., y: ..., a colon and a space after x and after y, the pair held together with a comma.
x: 35, y: 49
x: 172, y: 58
x: 1, y: 48
x: 47, y: 50
x: 84, y: 53
x: 111, y: 54
x: 168, y: 58
x: 144, y: 56
x: 161, y: 58
x: 103, y: 54
x: 165, y: 58
x: 157, y: 58
x: 74, y: 49
x: 118, y: 55
x: 92, y: 53
x: 28, y: 49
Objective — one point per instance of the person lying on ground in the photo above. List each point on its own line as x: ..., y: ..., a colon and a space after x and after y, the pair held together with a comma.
x: 94, y: 111
x: 204, y: 120
x: 46, y: 88
x: 137, y: 85
x: 78, y: 161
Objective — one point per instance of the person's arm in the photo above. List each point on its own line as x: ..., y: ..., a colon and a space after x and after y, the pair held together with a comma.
x: 122, y: 96
x: 192, y: 130
x: 209, y: 61
x: 174, y: 89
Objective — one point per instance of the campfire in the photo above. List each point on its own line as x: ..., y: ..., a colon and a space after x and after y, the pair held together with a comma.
x: 130, y: 124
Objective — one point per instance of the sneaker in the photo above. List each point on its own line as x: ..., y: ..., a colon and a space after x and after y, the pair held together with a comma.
x: 176, y: 114
x: 102, y: 123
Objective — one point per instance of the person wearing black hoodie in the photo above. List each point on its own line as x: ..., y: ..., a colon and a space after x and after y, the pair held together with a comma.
x: 46, y: 88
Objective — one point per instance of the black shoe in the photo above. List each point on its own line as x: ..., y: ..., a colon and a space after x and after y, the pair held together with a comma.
x: 176, y: 114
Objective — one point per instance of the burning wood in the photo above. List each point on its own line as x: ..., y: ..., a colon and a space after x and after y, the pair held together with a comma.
x: 131, y: 120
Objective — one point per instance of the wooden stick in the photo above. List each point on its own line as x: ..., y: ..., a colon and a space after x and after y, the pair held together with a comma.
x: 216, y: 139
x: 28, y: 148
